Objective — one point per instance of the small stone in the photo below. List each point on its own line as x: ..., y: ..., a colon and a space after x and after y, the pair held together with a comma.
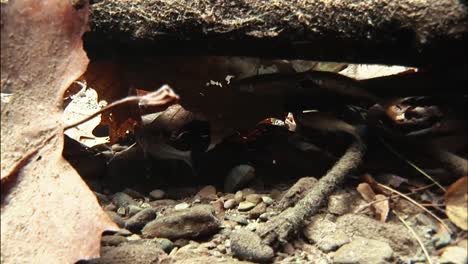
x: 247, y: 245
x: 454, y: 255
x: 181, y: 206
x: 238, y: 177
x: 252, y: 226
x: 257, y: 210
x: 240, y: 219
x: 133, y: 210
x: 121, y: 199
x: 139, y: 220
x: 229, y: 204
x: 221, y: 248
x: 133, y: 237
x: 164, y: 243
x: 123, y: 232
x: 253, y: 198
x: 121, y: 211
x: 265, y: 216
x: 113, y: 240
x: 442, y: 238
x: 191, y: 223
x: 364, y: 251
x: 288, y: 248
x: 268, y: 200
x: 342, y: 202
x: 245, y: 206
x: 424, y: 220
x: 181, y: 242
x: 207, y: 193
x: 134, y: 194
x: 218, y: 205
x: 239, y: 196
x: 145, y: 205
x: 157, y: 194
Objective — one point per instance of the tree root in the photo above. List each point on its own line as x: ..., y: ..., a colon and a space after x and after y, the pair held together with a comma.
x: 280, y: 228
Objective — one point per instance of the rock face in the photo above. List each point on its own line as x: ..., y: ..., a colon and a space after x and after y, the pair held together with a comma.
x: 364, y: 251
x: 191, y: 223
x: 246, y: 245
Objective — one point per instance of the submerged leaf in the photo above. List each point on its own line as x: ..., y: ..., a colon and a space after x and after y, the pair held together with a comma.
x: 456, y: 200
x: 48, y: 213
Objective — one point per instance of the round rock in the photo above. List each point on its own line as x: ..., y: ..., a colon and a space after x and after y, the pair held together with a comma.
x: 247, y: 245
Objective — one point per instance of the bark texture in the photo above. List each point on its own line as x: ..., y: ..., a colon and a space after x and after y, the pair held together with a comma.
x: 419, y: 33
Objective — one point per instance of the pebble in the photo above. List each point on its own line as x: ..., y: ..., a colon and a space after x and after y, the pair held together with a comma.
x: 247, y: 245
x: 121, y: 211
x: 239, y: 196
x: 257, y: 210
x: 207, y: 193
x: 181, y: 206
x: 442, y: 238
x: 268, y: 200
x: 139, y: 220
x: 253, y: 198
x: 238, y: 177
x: 145, y: 205
x: 265, y: 216
x: 364, y: 251
x: 123, y: 232
x: 454, y: 255
x: 252, y: 226
x: 240, y: 219
x: 229, y: 204
x: 343, y: 202
x: 133, y: 210
x: 133, y: 237
x: 113, y: 240
x: 164, y: 243
x: 191, y: 223
x: 157, y: 194
x: 245, y: 206
x: 121, y: 199
x: 221, y: 248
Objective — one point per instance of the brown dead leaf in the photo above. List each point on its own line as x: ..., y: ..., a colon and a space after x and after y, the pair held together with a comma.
x: 378, y: 202
x: 48, y: 213
x: 456, y: 201
x: 381, y: 207
x: 366, y: 192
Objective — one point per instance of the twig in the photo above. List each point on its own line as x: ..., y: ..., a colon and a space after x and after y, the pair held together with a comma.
x: 278, y: 229
x: 411, y: 164
x: 162, y: 96
x: 417, y: 204
x: 428, y: 257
